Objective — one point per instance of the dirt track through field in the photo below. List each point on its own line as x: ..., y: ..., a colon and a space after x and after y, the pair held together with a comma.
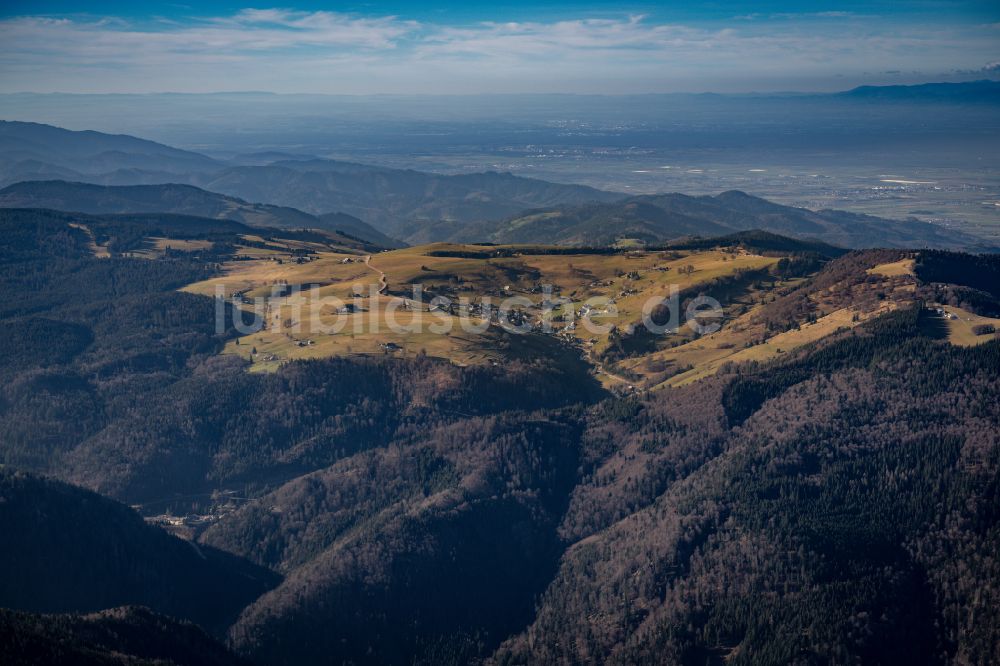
x: 382, y: 284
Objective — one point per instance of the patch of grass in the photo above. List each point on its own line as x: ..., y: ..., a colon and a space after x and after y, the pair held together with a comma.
x: 961, y: 323
x: 774, y: 347
x: 627, y: 279
x: 894, y: 269
x: 99, y: 251
x: 156, y: 247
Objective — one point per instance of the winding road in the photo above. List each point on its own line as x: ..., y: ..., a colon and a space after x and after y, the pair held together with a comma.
x: 382, y: 284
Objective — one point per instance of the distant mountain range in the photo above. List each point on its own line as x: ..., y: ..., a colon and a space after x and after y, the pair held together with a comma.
x: 178, y: 200
x: 966, y: 91
x: 397, y: 200
x: 36, y: 150
x: 122, y: 174
x: 658, y: 218
x: 389, y: 199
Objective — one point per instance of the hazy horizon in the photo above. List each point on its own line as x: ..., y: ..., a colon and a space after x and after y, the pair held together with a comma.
x: 512, y: 47
x: 983, y: 77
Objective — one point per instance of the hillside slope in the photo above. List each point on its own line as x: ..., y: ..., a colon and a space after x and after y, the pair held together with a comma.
x: 178, y: 200
x: 814, y: 482
x: 78, y: 551
x: 127, y: 636
x: 658, y: 218
x: 413, y: 206
x: 389, y: 199
x: 805, y: 493
x: 837, y: 508
x: 396, y: 201
x: 34, y: 148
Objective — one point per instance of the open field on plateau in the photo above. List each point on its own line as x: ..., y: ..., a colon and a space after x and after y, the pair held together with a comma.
x: 304, y: 300
x: 967, y: 328
x: 333, y: 303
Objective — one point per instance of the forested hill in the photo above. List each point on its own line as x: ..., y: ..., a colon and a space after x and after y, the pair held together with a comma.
x: 78, y: 551
x: 389, y: 199
x: 846, y: 514
x: 657, y: 218
x: 399, y: 202
x: 828, y: 496
x: 34, y: 148
x: 177, y: 200
x: 118, y: 637
x: 99, y: 173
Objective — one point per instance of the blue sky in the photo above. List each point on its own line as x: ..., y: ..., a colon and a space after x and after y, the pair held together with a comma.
x: 487, y: 10
x: 483, y: 47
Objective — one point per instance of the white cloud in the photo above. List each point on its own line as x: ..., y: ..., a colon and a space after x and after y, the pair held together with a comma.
x: 287, y: 50
x: 248, y: 31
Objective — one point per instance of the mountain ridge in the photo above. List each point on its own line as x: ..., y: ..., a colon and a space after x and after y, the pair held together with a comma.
x: 179, y: 199
x: 420, y: 207
x: 381, y: 196
x: 120, y: 559
x: 656, y: 218
x: 983, y: 90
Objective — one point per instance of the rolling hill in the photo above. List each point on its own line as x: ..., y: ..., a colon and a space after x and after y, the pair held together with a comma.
x: 352, y: 226
x: 657, y: 218
x: 177, y: 200
x: 126, y: 636
x: 413, y: 206
x: 389, y: 199
x: 397, y: 201
x: 814, y: 481
x: 33, y: 150
x: 78, y: 551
